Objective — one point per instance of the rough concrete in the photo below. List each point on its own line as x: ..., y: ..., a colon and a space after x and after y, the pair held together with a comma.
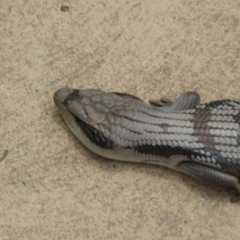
x: 54, y: 188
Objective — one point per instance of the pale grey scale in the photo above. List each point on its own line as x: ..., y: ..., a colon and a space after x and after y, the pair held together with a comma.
x: 227, y: 112
x: 226, y: 154
x: 208, y: 153
x: 231, y: 104
x: 200, y: 160
x: 131, y: 135
x: 219, y: 125
x: 173, y: 143
x: 123, y: 143
x: 164, y: 143
x: 118, y: 110
x: 235, y: 155
x: 108, y: 103
x: 190, y: 139
x: 137, y: 107
x: 162, y: 137
x: 222, y: 148
x: 146, y: 117
x: 117, y: 129
x: 79, y: 110
x: 95, y: 98
x: 196, y: 146
x: 143, y: 117
x: 223, y: 132
x: 118, y: 141
x: 88, y: 93
x: 225, y: 107
x: 183, y: 116
x: 126, y: 143
x: 123, y: 123
x: 214, y: 111
x: 182, y: 144
x: 233, y: 149
x: 183, y: 130
x: 131, y: 125
x: 175, y: 116
x: 231, y: 111
x: 188, y: 117
x: 226, y: 118
x: 223, y: 154
x: 172, y: 137
x: 128, y: 114
x: 237, y: 107
x: 190, y: 111
x: 214, y: 118
x: 201, y: 106
x: 232, y: 141
x: 86, y: 101
x: 222, y: 140
x: 101, y: 108
x: 230, y: 119
x: 123, y: 132
x: 150, y: 115
x: 145, y: 127
x: 187, y: 131
x: 165, y: 115
x: 149, y: 142
x: 113, y: 137
x: 103, y: 129
x: 188, y: 123
x: 151, y: 136
x: 117, y: 121
x: 111, y: 119
x: 235, y: 112
x: 128, y: 136
x: 155, y: 121
x: 153, y: 128
x: 225, y: 125
x: 134, y: 115
x: 154, y: 143
x: 231, y: 132
x: 235, y: 126
x: 100, y: 118
x: 214, y: 124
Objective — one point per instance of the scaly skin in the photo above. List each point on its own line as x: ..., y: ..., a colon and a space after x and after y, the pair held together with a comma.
x: 201, y: 140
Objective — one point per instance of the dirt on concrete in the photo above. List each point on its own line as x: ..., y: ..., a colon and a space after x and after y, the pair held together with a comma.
x: 52, y: 187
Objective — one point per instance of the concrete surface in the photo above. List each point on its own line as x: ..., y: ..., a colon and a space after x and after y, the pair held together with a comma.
x: 54, y: 188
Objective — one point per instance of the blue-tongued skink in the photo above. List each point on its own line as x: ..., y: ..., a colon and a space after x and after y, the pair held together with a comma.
x: 201, y: 140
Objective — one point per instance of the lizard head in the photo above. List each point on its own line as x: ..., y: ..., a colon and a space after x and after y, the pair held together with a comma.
x: 84, y: 111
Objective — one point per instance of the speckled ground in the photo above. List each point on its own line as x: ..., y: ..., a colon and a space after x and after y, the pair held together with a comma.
x: 54, y: 188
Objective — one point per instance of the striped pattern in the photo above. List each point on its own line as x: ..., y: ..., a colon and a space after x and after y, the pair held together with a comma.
x: 182, y: 131
x: 208, y: 134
